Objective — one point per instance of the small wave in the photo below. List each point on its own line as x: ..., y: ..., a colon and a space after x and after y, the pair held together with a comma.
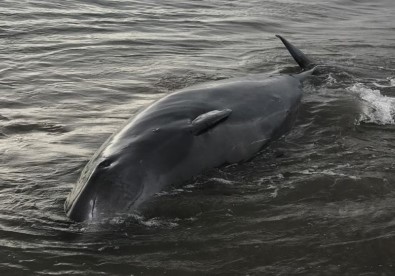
x: 328, y: 172
x: 25, y: 127
x: 147, y: 222
x: 121, y: 221
x: 3, y: 118
x: 389, y: 83
x: 376, y: 108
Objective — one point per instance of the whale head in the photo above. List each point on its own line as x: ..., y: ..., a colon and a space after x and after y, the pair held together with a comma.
x: 127, y: 171
x: 107, y: 185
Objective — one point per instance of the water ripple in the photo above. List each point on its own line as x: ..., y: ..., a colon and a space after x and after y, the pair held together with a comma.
x: 73, y: 72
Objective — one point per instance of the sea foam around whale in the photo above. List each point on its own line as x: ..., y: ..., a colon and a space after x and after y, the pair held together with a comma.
x: 376, y: 108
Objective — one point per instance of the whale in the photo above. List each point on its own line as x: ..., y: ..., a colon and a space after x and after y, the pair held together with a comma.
x: 185, y: 133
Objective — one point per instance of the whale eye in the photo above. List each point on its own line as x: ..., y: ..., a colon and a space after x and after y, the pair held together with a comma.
x: 105, y: 163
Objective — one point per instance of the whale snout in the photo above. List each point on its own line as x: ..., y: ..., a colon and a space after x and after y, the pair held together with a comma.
x: 90, y: 205
x: 102, y: 194
x: 81, y: 205
x: 81, y: 210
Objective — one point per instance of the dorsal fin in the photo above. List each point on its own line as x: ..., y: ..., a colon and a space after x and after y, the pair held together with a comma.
x: 205, y: 121
x: 304, y: 62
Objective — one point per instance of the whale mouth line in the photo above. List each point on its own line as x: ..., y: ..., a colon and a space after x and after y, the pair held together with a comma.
x: 93, y: 208
x: 132, y: 202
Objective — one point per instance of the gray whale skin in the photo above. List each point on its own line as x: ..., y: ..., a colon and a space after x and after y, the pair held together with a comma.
x: 185, y: 133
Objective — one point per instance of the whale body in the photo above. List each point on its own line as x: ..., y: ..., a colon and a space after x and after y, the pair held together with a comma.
x: 185, y: 133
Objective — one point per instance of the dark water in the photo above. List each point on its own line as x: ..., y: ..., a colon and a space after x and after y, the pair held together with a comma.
x: 319, y: 202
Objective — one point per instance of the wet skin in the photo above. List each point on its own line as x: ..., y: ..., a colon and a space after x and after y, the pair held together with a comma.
x: 183, y: 134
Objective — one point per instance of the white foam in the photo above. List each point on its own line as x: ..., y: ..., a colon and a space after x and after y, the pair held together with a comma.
x: 156, y: 222
x: 222, y: 181
x: 328, y: 172
x: 330, y: 79
x: 376, y: 108
x: 270, y: 178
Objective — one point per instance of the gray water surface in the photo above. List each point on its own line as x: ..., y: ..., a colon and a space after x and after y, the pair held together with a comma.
x: 320, y: 201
